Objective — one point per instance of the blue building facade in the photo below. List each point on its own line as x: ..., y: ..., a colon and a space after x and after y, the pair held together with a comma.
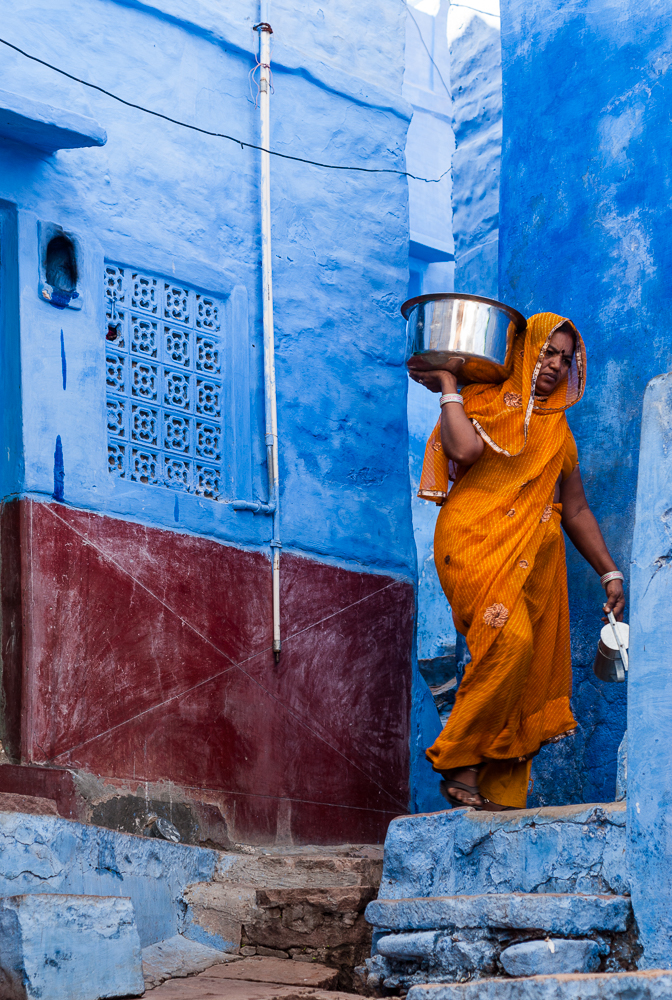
x: 137, y: 602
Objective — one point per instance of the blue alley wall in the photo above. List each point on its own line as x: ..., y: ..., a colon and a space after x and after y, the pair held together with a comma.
x: 169, y: 201
x: 650, y: 701
x: 585, y: 222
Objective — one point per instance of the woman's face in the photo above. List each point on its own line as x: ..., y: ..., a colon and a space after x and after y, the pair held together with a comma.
x: 557, y: 362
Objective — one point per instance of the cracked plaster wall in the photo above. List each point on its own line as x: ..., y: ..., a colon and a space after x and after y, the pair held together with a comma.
x: 430, y: 144
x: 584, y: 231
x: 475, y: 54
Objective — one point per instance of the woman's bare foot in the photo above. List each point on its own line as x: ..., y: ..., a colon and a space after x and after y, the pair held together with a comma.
x: 456, y: 780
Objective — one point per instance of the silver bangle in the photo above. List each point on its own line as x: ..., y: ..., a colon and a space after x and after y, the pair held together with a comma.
x: 613, y: 575
x: 451, y: 397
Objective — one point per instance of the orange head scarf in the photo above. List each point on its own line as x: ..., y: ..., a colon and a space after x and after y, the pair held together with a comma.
x: 502, y: 413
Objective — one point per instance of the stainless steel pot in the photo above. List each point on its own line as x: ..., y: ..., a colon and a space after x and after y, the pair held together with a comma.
x: 609, y: 664
x: 451, y: 325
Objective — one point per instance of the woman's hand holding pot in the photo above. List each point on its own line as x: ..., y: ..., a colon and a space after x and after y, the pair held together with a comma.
x: 435, y: 379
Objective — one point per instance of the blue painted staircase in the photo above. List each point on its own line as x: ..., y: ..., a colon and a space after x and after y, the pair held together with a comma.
x: 532, y: 904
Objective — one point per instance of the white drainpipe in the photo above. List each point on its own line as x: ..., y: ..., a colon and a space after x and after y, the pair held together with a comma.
x: 273, y: 506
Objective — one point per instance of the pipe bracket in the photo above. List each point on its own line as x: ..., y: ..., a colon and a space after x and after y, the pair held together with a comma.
x: 255, y: 506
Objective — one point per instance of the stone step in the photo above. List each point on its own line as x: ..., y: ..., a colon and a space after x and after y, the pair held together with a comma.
x: 647, y: 985
x: 204, y: 987
x: 568, y: 914
x: 577, y: 848
x: 298, y: 870
x: 276, y: 970
x: 177, y: 956
x: 313, y: 924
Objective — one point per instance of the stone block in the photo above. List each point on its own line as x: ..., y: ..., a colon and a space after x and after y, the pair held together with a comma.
x: 457, y: 957
x: 72, y: 857
x: 577, y: 848
x: 65, y: 947
x: 270, y: 952
x: 403, y: 947
x: 648, y: 985
x: 178, y: 956
x: 538, y: 958
x: 220, y: 910
x: 554, y: 913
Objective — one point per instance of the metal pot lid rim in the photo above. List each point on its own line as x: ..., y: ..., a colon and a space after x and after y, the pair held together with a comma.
x: 517, y: 317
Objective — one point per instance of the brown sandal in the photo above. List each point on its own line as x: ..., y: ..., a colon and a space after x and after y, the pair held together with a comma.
x: 489, y: 802
x: 451, y: 783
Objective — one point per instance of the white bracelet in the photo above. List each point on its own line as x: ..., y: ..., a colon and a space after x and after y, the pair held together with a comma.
x: 451, y: 397
x: 613, y: 575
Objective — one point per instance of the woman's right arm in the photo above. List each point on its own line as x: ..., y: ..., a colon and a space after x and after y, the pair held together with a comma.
x: 459, y: 438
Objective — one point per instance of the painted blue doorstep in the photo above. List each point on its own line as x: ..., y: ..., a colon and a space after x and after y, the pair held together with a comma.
x: 577, y: 848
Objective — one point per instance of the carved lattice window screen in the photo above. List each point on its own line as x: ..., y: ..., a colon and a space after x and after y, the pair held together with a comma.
x: 164, y: 382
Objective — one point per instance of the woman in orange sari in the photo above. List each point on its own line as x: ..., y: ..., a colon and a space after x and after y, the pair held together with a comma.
x: 500, y: 556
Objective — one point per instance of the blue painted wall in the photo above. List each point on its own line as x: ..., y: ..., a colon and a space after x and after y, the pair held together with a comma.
x: 650, y: 701
x: 584, y: 231
x: 175, y: 203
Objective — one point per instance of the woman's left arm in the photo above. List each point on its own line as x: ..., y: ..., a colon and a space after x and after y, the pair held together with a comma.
x: 581, y: 527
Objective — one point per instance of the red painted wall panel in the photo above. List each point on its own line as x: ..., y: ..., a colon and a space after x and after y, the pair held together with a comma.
x: 146, y: 655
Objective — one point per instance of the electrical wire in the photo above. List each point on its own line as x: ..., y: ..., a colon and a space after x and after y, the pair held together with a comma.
x: 222, y: 135
x: 431, y: 57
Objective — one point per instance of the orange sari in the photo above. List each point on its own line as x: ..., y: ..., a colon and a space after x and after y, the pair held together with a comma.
x: 500, y: 555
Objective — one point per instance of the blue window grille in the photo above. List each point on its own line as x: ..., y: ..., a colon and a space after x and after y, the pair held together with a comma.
x: 164, y: 382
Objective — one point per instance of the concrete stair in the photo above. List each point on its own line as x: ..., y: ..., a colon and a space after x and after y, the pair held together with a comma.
x: 472, y: 903
x: 579, y: 848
